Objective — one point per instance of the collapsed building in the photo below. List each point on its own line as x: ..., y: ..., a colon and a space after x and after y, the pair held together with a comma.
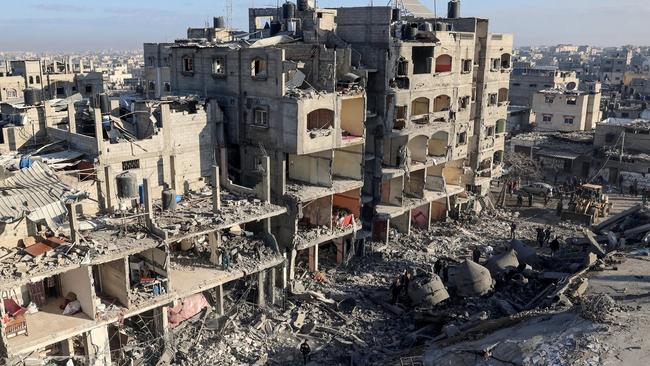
x: 295, y: 143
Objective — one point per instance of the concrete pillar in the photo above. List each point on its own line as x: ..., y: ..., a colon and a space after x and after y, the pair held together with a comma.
x: 341, y: 250
x: 223, y: 165
x: 99, y: 129
x: 72, y: 218
x: 261, y: 279
x: 271, y: 285
x: 108, y: 189
x: 313, y: 258
x: 216, y: 190
x: 221, y: 309
x: 265, y: 163
x: 292, y: 265
x: 97, y: 344
x: 283, y: 175
x: 284, y: 269
x: 172, y: 172
x: 214, y: 239
x: 72, y: 118
x: 402, y: 223
x: 148, y: 205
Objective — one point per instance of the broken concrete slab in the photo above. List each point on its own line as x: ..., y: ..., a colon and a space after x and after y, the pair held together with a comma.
x: 503, y: 262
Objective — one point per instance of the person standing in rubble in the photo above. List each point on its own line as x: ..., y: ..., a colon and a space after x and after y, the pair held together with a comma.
x: 555, y: 246
x: 395, y: 289
x: 540, y: 236
x: 559, y: 207
x: 305, y: 350
x: 476, y: 255
x: 520, y: 200
x: 406, y: 280
x: 530, y: 200
x: 547, y: 234
x: 513, y: 230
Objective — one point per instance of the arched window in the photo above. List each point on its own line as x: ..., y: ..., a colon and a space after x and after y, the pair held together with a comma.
x: 443, y: 63
x: 497, y: 158
x: 12, y: 93
x: 417, y: 148
x: 441, y: 103
x: 31, y: 80
x: 38, y: 79
x: 420, y: 106
x: 501, y: 126
x: 439, y: 143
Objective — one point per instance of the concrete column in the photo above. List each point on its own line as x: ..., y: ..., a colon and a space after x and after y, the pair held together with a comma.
x: 216, y: 190
x: 72, y: 218
x: 72, y: 118
x: 172, y: 172
x: 313, y: 258
x: 284, y: 273
x: 271, y: 285
x: 261, y: 279
x: 265, y: 162
x: 99, y: 129
x: 148, y: 205
x: 221, y: 309
x: 97, y: 340
x: 292, y: 265
x: 341, y: 252
x: 223, y: 165
x: 214, y: 239
x: 108, y: 183
x: 283, y: 175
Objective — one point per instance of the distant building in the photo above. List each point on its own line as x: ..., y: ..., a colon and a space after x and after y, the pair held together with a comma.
x: 525, y: 82
x: 614, y: 64
x: 567, y: 110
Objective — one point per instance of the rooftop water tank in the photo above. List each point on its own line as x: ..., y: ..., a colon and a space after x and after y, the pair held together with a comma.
x: 127, y: 185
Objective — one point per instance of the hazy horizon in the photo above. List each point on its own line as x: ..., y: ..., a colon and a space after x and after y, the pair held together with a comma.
x: 66, y: 26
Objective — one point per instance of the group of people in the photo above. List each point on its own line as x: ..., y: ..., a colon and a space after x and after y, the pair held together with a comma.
x: 400, y: 286
x: 544, y: 237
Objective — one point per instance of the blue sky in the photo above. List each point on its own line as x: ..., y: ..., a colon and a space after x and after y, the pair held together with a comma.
x: 35, y: 25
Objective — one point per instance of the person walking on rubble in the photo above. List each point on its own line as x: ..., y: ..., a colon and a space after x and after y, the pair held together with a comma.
x: 520, y: 200
x: 555, y: 246
x: 305, y: 350
x: 547, y: 234
x: 406, y: 280
x: 513, y: 230
x: 395, y: 289
x: 530, y: 200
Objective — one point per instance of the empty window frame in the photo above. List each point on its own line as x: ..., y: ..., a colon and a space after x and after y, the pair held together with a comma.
x: 461, y: 138
x: 463, y: 102
x: 219, y: 66
x: 188, y: 64
x: 548, y: 118
x: 444, y: 63
x: 549, y: 99
x: 496, y: 64
x: 131, y: 164
x: 168, y: 87
x: 493, y: 99
x: 568, y: 120
x: 571, y: 100
x: 261, y: 117
x: 467, y: 66
x: 258, y: 68
x: 422, y: 60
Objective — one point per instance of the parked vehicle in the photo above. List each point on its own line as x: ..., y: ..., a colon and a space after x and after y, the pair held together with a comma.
x: 538, y: 189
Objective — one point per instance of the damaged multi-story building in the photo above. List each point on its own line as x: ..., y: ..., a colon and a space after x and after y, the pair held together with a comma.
x: 251, y: 158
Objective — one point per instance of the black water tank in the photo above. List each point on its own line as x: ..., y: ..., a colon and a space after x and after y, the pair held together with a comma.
x: 288, y: 10
x: 168, y: 199
x: 397, y: 15
x: 304, y: 5
x: 32, y: 96
x: 127, y: 185
x: 276, y: 27
x: 104, y: 103
x: 453, y: 9
x: 219, y: 22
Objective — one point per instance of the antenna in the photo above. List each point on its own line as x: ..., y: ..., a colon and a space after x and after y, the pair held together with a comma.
x: 229, y: 14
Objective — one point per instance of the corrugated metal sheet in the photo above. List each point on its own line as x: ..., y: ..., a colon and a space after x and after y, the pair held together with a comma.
x: 29, y: 190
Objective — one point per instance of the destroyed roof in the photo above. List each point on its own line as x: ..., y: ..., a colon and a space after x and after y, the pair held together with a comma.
x: 30, y: 189
x: 627, y: 122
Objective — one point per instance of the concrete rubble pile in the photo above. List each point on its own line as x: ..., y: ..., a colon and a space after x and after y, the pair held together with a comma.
x: 346, y: 312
